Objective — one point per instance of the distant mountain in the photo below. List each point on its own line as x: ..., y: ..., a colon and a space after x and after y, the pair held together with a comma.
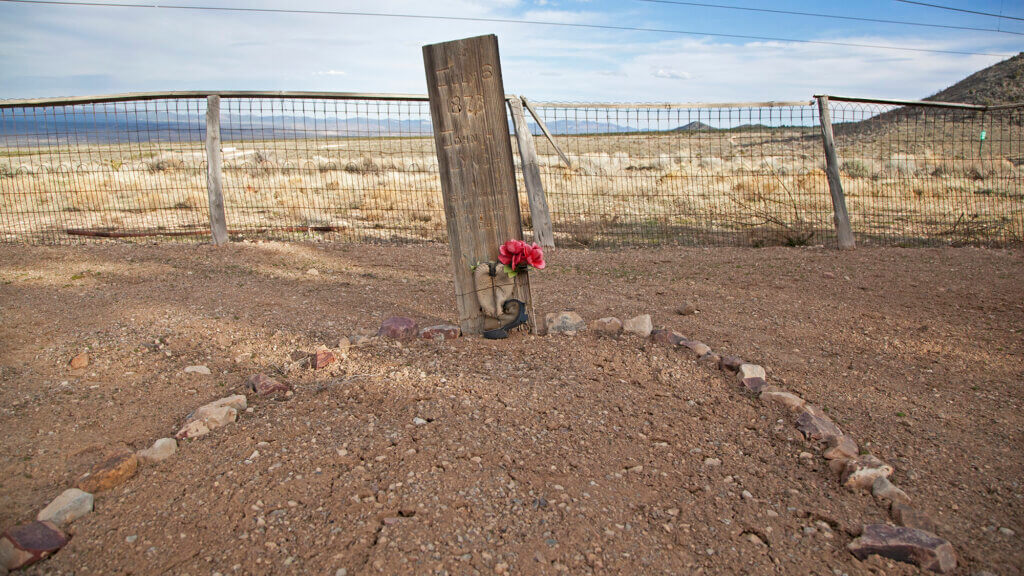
x: 694, y: 126
x: 567, y: 127
x: 67, y: 126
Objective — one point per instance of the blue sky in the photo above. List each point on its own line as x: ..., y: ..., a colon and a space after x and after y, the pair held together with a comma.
x: 53, y: 50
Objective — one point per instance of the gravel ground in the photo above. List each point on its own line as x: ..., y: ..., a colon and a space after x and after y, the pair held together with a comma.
x: 581, y: 454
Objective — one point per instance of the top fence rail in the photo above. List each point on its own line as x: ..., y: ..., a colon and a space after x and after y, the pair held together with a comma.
x: 671, y: 105
x: 187, y: 94
x: 362, y: 167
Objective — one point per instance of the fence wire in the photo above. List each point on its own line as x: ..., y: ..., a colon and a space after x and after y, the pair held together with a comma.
x: 71, y: 173
x: 700, y: 176
x: 923, y: 176
x: 365, y: 169
x: 352, y: 169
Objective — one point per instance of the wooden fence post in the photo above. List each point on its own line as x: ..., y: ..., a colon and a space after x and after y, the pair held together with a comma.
x: 835, y: 186
x: 539, y: 215
x: 547, y: 133
x: 474, y: 155
x: 214, y: 179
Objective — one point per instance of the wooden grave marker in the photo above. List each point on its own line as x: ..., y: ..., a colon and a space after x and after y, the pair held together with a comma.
x: 474, y: 154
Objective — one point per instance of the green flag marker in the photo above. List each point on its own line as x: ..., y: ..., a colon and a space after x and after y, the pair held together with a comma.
x: 983, y: 135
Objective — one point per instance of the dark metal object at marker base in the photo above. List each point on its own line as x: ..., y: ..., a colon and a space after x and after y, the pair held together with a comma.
x: 520, y: 319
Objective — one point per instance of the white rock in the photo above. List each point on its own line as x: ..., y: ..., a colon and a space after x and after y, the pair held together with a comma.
x: 193, y: 429
x: 237, y: 401
x: 609, y: 325
x: 71, y: 504
x: 220, y: 412
x: 639, y: 325
x: 751, y: 371
x: 161, y: 450
x: 216, y: 416
x: 419, y: 421
x: 787, y: 399
x: 860, y: 473
x: 198, y: 370
x: 712, y: 462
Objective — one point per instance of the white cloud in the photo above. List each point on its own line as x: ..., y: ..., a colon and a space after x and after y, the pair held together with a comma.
x: 51, y: 50
x: 670, y: 74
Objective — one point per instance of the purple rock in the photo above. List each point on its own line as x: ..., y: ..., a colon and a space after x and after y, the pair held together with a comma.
x: 29, y: 543
x: 905, y: 545
x: 398, y: 328
x: 667, y: 337
x: 730, y: 363
x: 321, y: 359
x: 754, y: 384
x: 264, y: 385
x: 815, y: 424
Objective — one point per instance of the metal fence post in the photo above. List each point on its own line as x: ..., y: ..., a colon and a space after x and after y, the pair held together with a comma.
x: 835, y: 185
x: 214, y: 180
x: 539, y: 215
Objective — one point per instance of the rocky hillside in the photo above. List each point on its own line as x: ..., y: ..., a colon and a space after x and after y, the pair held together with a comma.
x: 1001, y: 83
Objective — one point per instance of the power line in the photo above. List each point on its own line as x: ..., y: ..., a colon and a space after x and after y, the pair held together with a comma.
x: 502, y: 21
x: 960, y: 10
x: 832, y: 16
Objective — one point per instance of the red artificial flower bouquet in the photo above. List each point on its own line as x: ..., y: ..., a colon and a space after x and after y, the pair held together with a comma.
x: 516, y: 255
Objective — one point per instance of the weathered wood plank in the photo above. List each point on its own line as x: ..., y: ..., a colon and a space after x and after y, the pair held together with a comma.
x: 214, y: 179
x: 539, y: 215
x: 474, y: 153
x: 835, y: 185
x: 547, y: 134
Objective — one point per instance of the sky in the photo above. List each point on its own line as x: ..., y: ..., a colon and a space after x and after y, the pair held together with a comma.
x: 59, y: 50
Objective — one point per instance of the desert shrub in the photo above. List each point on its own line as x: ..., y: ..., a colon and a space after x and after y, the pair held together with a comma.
x: 362, y: 166
x: 856, y: 169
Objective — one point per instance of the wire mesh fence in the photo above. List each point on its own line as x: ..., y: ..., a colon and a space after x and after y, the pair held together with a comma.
x: 79, y: 171
x: 722, y: 175
x: 916, y: 175
x: 363, y: 168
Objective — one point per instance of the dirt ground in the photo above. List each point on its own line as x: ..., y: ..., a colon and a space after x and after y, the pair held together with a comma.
x: 540, y: 454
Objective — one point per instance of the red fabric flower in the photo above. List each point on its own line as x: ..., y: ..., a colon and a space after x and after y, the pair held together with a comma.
x: 534, y: 256
x: 516, y: 253
x: 509, y: 250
